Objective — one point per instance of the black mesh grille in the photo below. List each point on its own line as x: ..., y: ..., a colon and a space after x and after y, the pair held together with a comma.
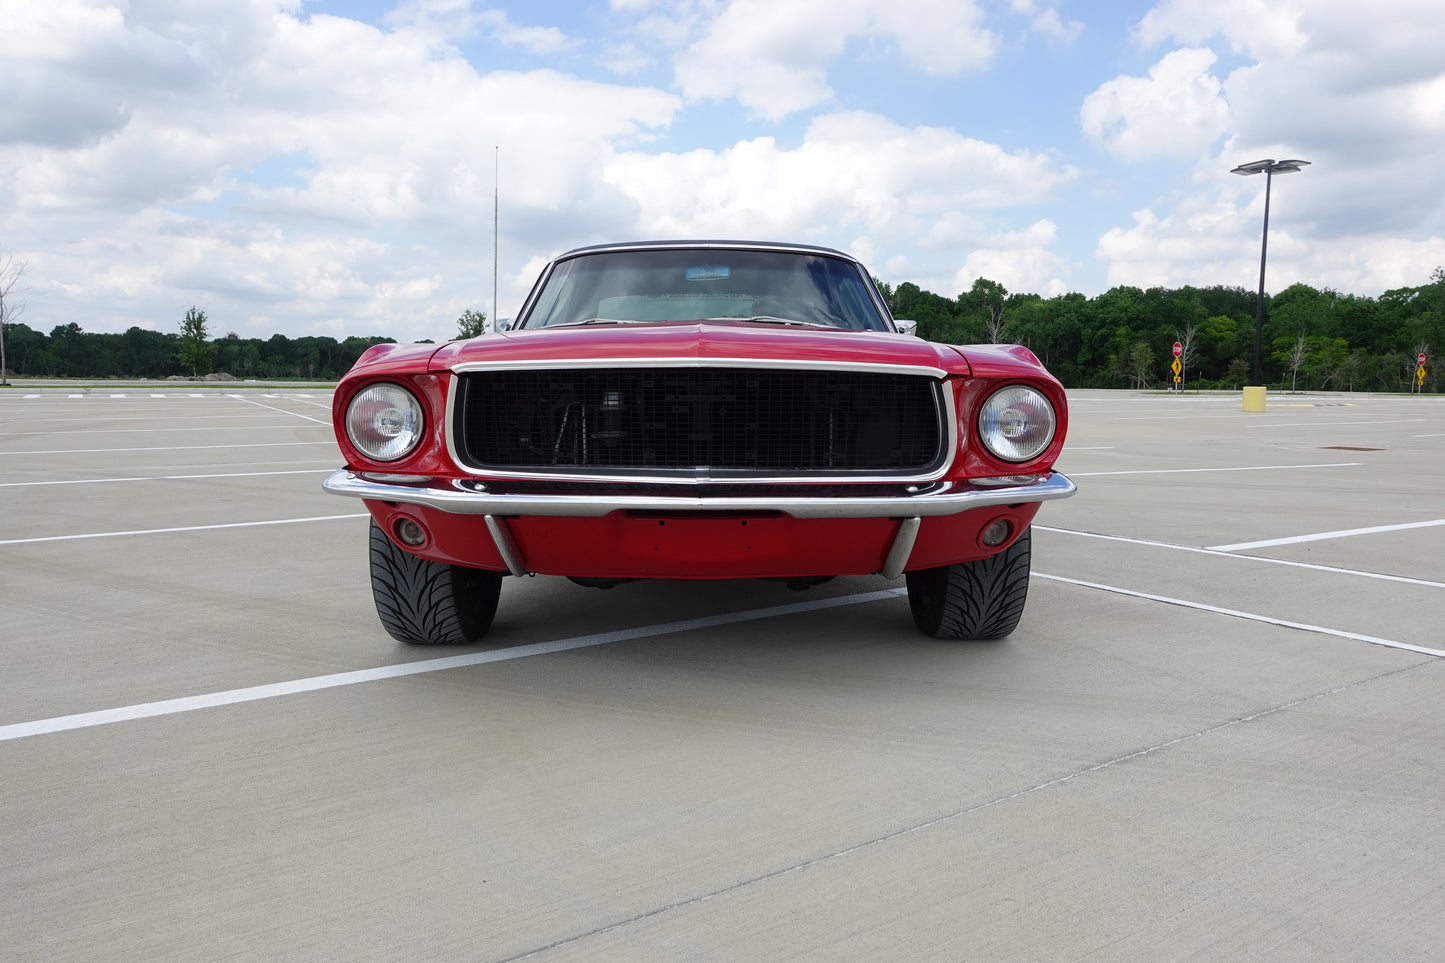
x: 722, y: 421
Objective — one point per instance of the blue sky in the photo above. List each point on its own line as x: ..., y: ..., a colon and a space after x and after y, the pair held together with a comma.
x: 328, y: 167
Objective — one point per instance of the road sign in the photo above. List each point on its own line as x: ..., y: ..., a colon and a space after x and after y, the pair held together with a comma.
x: 1178, y: 367
x: 1421, y: 358
x: 1420, y: 374
x: 1177, y: 379
x: 1179, y: 350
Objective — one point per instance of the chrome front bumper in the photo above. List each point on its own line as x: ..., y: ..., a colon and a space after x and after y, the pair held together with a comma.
x: 468, y: 498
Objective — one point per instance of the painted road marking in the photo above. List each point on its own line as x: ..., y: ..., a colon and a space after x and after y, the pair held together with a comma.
x: 124, y: 431
x: 1248, y: 616
x: 1262, y: 559
x: 1189, y: 471
x: 1336, y: 424
x: 252, y: 401
x: 1325, y: 536
x: 83, y: 720
x: 96, y: 451
x: 148, y: 710
x: 136, y: 478
x: 187, y: 528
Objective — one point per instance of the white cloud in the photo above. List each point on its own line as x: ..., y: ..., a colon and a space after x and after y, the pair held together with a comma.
x: 537, y: 40
x: 395, y: 139
x: 1022, y: 261
x: 302, y: 172
x: 774, y: 57
x: 1207, y: 243
x: 1201, y: 243
x: 1046, y: 21
x: 447, y: 21
x: 853, y: 172
x: 1262, y: 28
x: 1359, y: 90
x: 1176, y: 111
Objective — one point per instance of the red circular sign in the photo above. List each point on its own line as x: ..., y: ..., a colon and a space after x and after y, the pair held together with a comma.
x: 1421, y: 359
x: 1179, y: 351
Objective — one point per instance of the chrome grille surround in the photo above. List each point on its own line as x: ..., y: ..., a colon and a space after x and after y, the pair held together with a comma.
x: 694, y: 422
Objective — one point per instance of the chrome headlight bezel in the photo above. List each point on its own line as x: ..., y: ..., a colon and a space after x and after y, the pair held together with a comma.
x: 1017, y: 423
x: 385, y: 421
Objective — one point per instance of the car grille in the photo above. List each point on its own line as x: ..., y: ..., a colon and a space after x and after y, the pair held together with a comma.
x: 717, y: 422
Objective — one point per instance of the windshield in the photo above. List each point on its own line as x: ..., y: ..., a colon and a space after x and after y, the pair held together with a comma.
x: 778, y: 287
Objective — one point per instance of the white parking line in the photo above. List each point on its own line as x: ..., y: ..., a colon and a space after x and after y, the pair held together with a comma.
x: 1264, y: 560
x: 252, y: 401
x: 193, y: 418
x: 1325, y: 536
x: 186, y: 528
x: 124, y: 431
x: 1248, y: 616
x: 97, y: 451
x: 1335, y: 424
x: 82, y: 720
x: 136, y: 478
x: 1190, y: 471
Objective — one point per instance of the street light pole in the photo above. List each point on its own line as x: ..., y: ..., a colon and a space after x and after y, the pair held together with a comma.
x: 1268, y: 168
x: 496, y: 219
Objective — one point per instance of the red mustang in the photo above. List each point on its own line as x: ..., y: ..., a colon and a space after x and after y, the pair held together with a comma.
x: 699, y: 410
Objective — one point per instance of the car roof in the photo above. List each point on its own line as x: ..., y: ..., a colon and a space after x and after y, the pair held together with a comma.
x: 719, y: 245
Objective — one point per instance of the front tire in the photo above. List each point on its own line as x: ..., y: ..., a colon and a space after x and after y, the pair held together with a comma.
x: 973, y: 600
x: 422, y: 602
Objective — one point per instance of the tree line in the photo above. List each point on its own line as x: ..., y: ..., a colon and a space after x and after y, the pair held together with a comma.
x: 69, y: 352
x: 1312, y: 338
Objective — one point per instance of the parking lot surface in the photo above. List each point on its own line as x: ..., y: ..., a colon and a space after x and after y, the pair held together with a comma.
x: 1217, y: 733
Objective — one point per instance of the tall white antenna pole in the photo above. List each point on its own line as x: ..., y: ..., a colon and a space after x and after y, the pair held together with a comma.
x: 496, y: 177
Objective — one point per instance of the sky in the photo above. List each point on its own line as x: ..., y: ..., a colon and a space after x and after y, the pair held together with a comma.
x: 341, y: 167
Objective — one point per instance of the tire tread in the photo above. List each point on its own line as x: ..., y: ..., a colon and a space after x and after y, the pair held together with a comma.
x: 422, y: 602
x: 983, y: 599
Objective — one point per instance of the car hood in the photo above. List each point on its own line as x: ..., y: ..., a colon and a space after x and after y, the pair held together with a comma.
x: 701, y: 341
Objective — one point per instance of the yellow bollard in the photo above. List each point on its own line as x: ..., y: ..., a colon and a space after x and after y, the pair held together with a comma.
x: 1253, y: 398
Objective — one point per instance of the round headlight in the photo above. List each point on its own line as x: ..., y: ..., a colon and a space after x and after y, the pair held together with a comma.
x: 384, y: 422
x: 1017, y: 423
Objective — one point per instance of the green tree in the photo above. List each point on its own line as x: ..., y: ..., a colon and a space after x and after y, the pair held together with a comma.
x: 1141, y: 361
x: 471, y: 324
x: 73, y: 350
x: 984, y: 304
x: 1220, y: 341
x: 24, y: 347
x: 934, y: 314
x: 11, y: 271
x: 1237, y: 373
x: 195, y: 349
x: 142, y: 353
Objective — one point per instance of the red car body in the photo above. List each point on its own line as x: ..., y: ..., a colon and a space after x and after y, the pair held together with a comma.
x: 604, y: 418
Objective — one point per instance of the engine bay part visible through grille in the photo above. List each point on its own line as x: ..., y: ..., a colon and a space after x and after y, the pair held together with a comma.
x: 712, y: 421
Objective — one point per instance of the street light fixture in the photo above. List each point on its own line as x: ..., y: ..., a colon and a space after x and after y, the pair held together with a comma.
x: 1268, y: 168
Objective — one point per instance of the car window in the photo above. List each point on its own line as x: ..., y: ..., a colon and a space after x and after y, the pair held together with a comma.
x: 692, y: 285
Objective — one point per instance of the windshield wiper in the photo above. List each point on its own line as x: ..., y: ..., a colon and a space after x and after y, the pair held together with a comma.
x: 575, y: 324
x: 771, y: 319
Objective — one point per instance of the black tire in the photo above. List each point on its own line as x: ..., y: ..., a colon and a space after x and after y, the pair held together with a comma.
x: 422, y: 602
x: 973, y: 600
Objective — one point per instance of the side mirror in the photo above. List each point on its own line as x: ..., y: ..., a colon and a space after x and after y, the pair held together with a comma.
x: 906, y: 327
